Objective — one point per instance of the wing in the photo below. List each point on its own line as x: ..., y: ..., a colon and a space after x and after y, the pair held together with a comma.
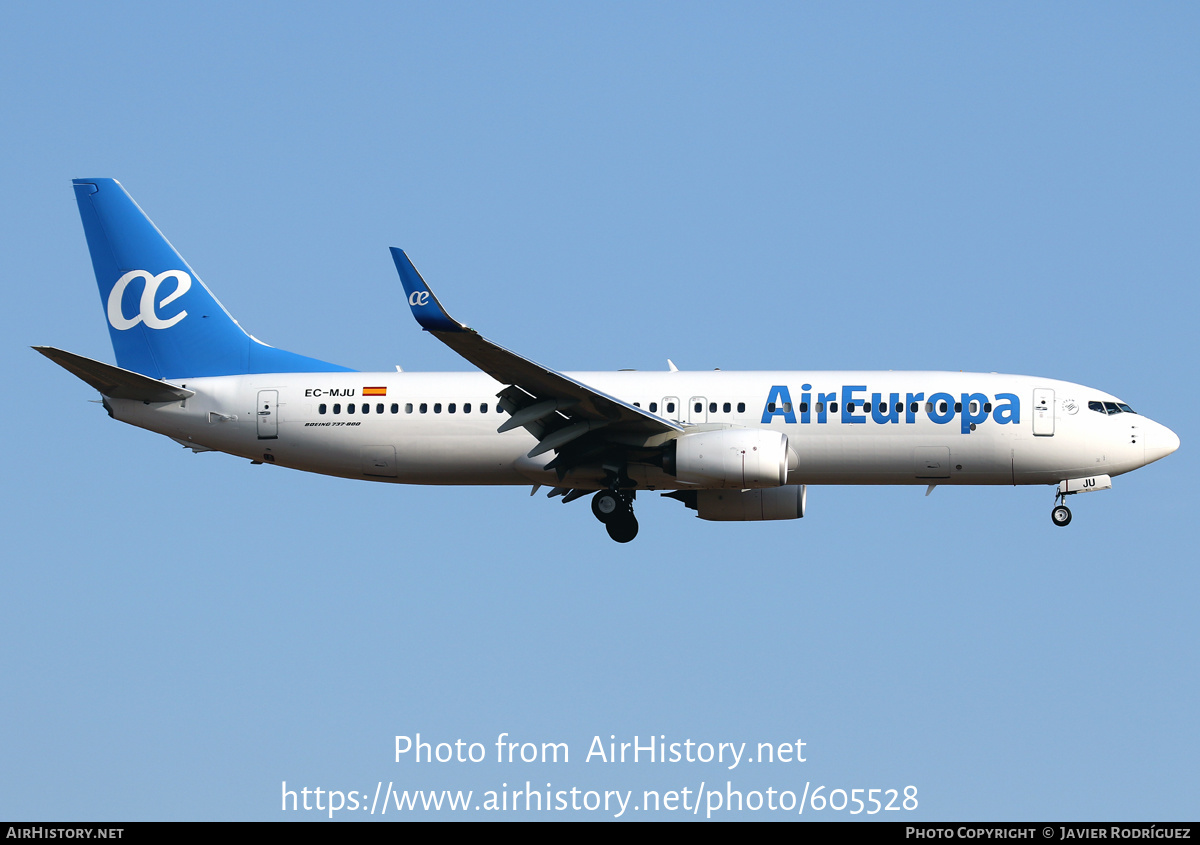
x: 582, y: 424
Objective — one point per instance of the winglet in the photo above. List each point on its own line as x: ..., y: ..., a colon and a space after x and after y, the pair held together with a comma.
x: 425, y: 306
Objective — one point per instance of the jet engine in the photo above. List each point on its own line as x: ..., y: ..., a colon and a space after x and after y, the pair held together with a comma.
x: 739, y: 458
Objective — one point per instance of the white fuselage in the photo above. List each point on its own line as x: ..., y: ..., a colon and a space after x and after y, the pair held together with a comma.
x: 440, y: 428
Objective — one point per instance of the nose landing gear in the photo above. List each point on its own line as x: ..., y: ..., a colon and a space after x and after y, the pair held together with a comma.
x: 615, y: 509
x: 1060, y: 514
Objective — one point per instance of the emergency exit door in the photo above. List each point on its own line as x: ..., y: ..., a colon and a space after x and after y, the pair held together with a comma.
x: 670, y: 408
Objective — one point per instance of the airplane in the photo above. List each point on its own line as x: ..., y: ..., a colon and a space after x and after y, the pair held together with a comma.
x: 733, y: 446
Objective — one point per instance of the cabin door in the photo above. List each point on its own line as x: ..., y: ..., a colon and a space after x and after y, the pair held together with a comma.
x: 1043, y: 412
x: 268, y: 414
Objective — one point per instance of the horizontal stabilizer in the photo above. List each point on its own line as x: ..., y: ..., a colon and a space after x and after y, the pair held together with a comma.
x: 113, y: 381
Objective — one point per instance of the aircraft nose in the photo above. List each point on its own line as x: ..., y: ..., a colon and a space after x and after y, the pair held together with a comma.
x: 1160, y: 442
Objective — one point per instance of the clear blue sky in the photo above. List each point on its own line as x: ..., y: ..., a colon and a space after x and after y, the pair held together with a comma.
x: 993, y: 187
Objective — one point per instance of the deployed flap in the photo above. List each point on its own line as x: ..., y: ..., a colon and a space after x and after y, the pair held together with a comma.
x: 510, y: 368
x: 114, y: 381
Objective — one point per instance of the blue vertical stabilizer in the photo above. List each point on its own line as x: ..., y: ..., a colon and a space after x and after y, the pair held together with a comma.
x: 163, y: 321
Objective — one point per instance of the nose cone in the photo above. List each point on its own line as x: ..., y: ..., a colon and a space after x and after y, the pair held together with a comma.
x: 1160, y: 442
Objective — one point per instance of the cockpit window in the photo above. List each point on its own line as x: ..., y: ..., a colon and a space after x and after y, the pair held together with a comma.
x: 1110, y: 408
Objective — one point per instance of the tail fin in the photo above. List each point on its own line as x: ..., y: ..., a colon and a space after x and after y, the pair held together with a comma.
x: 163, y: 321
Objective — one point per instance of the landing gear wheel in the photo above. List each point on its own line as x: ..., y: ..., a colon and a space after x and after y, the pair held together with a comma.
x: 1061, y: 515
x: 607, y: 506
x: 622, y: 529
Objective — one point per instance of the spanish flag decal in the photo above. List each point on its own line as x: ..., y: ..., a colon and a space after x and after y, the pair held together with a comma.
x: 374, y: 391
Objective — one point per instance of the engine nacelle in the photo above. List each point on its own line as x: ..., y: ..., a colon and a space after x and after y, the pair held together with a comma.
x: 746, y: 505
x: 739, y: 458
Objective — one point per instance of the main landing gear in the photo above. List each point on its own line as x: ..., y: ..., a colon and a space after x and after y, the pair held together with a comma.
x: 1060, y: 515
x: 615, y: 509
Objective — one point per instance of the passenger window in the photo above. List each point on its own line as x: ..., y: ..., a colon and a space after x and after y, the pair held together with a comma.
x: 483, y: 407
x: 451, y: 408
x: 637, y: 404
x: 670, y: 407
x: 914, y: 407
x: 974, y: 408
x: 741, y: 407
x: 820, y: 407
x: 712, y: 407
x: 699, y: 407
x: 987, y: 407
x: 929, y: 407
x: 866, y: 407
x: 379, y: 408
x: 654, y: 407
x: 727, y: 407
x: 833, y: 407
x: 850, y: 407
x: 424, y: 407
x: 408, y: 409
x: 395, y: 408
x: 437, y: 407
x: 466, y: 407
x: 958, y: 407
x: 350, y: 408
x: 337, y: 409
x: 321, y: 409
x: 900, y: 407
x: 366, y: 408
x: 941, y: 407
